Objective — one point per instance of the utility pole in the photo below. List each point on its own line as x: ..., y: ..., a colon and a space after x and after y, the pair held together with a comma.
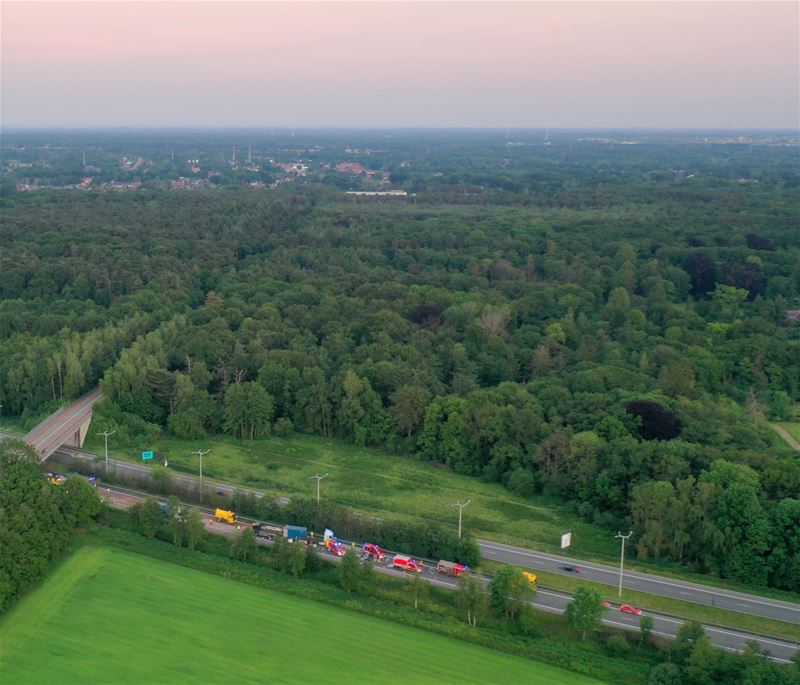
x: 460, y: 510
x: 200, y: 453
x: 105, y: 434
x: 319, y: 478
x: 622, y: 556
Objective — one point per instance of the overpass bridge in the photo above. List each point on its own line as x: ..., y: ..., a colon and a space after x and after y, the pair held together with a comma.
x: 67, y: 426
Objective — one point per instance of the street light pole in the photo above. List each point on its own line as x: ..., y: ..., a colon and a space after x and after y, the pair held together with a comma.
x: 105, y: 434
x: 319, y: 478
x: 200, y: 453
x: 460, y: 510
x: 622, y: 556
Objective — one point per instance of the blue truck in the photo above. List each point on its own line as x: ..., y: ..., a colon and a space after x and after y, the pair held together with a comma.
x: 295, y: 532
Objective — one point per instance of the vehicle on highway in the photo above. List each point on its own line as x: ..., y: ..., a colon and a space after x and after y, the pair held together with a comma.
x: 571, y: 569
x: 56, y: 478
x: 605, y: 605
x: 336, y: 547
x: 630, y: 609
x: 407, y: 563
x: 530, y: 577
x: 373, y: 551
x: 225, y: 516
x: 292, y: 533
x: 450, y: 568
x: 266, y: 531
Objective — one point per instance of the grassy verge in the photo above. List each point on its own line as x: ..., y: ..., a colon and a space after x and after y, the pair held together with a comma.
x: 380, y: 484
x: 674, y: 607
x: 391, y: 486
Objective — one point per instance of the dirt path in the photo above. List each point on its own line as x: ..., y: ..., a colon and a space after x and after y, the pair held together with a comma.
x: 780, y: 430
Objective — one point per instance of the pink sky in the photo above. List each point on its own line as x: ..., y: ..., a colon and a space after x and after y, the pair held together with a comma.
x: 665, y: 64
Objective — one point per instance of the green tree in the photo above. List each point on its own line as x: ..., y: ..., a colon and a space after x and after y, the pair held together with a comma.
x: 471, y: 597
x: 248, y: 410
x: 687, y: 636
x: 417, y: 589
x: 290, y: 557
x: 665, y: 674
x: 509, y: 591
x: 195, y: 528
x: 349, y: 572
x: 408, y: 408
x: 645, y: 629
x: 176, y: 520
x: 80, y: 501
x: 585, y: 611
x: 245, y: 547
x: 148, y: 516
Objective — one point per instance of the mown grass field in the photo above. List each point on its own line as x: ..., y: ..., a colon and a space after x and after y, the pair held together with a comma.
x: 109, y: 616
x: 380, y: 484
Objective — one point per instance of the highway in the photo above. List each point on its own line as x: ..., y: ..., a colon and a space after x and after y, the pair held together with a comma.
x: 546, y: 599
x: 653, y: 584
x: 609, y: 575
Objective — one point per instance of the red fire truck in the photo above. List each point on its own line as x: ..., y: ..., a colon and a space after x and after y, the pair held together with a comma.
x: 406, y: 563
x: 336, y: 547
x: 373, y: 551
x: 450, y: 568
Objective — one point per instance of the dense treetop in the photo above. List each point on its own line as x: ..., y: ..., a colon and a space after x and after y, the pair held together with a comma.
x: 590, y: 322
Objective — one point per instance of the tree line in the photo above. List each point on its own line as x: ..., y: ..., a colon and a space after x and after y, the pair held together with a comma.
x: 615, y: 354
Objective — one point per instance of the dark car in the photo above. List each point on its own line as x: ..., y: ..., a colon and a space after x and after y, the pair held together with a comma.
x: 571, y: 569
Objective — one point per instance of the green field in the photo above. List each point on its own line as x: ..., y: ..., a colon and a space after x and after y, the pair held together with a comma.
x: 381, y: 484
x: 109, y: 616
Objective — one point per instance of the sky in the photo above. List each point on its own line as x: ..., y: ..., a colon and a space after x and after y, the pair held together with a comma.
x: 401, y: 64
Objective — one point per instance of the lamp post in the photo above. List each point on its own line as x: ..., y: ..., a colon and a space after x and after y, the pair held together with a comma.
x: 319, y: 478
x: 622, y: 556
x: 460, y: 510
x: 105, y: 434
x: 200, y: 453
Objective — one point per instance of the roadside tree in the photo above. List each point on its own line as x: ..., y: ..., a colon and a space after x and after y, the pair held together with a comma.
x: 585, y: 611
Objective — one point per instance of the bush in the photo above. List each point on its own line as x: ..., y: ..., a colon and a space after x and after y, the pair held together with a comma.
x: 283, y: 427
x: 617, y: 646
x: 521, y: 482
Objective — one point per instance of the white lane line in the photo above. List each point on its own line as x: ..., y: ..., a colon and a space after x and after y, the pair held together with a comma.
x: 634, y: 575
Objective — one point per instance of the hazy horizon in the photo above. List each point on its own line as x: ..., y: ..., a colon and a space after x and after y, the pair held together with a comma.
x: 569, y: 66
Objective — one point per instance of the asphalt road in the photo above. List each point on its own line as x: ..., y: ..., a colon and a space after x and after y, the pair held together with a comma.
x: 655, y: 585
x: 545, y: 599
x: 60, y: 426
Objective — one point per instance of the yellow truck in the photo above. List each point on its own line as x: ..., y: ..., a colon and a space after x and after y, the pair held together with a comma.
x: 530, y: 577
x: 225, y: 516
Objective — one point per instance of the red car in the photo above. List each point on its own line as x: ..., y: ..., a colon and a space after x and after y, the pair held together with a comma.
x: 629, y: 609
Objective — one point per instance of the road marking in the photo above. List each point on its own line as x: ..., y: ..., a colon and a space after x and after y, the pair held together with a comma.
x: 634, y: 575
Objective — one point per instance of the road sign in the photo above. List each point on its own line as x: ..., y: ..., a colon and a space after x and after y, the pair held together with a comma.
x: 147, y: 456
x: 566, y: 540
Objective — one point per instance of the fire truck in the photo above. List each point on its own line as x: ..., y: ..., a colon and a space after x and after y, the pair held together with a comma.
x: 373, y: 551
x: 450, y: 568
x: 406, y: 563
x: 336, y: 547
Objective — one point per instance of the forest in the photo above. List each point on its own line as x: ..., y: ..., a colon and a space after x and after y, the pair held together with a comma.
x: 610, y: 325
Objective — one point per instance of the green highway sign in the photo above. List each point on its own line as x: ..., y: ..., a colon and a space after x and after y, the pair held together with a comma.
x: 146, y: 456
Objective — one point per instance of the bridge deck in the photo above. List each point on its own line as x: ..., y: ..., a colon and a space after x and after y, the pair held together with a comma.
x: 63, y: 426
